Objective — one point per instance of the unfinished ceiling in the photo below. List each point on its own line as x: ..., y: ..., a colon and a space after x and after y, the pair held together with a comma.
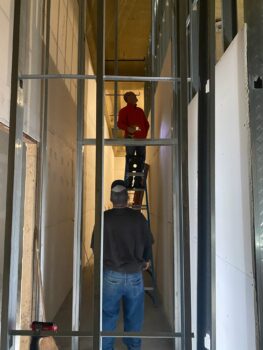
x: 132, y: 18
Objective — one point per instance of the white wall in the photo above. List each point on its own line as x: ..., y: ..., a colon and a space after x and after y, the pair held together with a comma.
x: 160, y: 194
x: 29, y: 61
x: 61, y: 145
x: 235, y: 312
x: 6, y: 30
x: 234, y: 281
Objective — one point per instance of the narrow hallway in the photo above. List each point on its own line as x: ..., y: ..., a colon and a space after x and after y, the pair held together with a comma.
x: 155, y: 320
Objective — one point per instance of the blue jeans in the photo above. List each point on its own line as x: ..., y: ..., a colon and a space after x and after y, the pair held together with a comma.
x: 128, y: 288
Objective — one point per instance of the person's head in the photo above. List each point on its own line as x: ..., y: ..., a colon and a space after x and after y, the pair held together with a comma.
x: 130, y: 98
x: 119, y: 194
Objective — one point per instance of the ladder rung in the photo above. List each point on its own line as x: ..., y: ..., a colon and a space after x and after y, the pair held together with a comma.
x: 135, y: 174
x: 148, y: 288
x: 135, y: 189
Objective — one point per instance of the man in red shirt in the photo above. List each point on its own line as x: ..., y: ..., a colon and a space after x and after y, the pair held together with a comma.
x: 135, y: 124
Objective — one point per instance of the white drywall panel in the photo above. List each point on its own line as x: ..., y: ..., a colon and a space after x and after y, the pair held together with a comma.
x: 61, y: 154
x: 90, y: 161
x: 63, y: 52
x: 160, y: 194
x: 6, y: 30
x: 29, y: 62
x: 235, y: 313
x: 164, y: 101
x: 234, y: 279
x: 59, y: 218
x: 58, y: 265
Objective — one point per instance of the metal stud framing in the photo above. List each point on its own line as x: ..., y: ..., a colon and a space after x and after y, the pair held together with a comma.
x: 116, y: 62
x: 12, y: 223
x: 42, y: 187
x: 206, y: 175
x: 77, y: 256
x: 183, y: 184
x: 180, y: 183
x: 98, y: 233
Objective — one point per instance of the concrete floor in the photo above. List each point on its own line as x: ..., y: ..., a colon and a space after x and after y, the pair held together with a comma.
x: 155, y: 321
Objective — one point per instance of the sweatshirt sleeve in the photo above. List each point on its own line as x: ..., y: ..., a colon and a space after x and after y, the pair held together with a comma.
x: 147, y: 125
x: 122, y: 120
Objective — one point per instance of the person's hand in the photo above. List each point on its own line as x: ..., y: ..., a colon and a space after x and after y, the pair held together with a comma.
x: 131, y: 129
x: 147, y: 265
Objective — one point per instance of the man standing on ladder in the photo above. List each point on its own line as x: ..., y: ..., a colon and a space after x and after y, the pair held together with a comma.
x: 135, y: 124
x: 126, y: 253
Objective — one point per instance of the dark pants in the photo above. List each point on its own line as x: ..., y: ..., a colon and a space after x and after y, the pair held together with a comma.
x: 140, y: 153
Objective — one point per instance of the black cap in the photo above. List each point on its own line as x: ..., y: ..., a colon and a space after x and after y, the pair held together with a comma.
x: 118, y: 186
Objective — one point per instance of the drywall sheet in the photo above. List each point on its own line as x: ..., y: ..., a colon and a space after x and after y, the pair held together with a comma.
x: 6, y: 29
x: 234, y: 279
x: 235, y: 313
x: 29, y: 62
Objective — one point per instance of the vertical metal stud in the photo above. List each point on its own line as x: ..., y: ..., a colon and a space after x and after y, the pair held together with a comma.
x: 98, y: 233
x: 194, y: 37
x: 206, y: 173
x: 42, y: 188
x: 153, y: 68
x: 15, y: 151
x: 183, y: 184
x: 77, y: 258
x: 116, y: 65
x: 175, y: 168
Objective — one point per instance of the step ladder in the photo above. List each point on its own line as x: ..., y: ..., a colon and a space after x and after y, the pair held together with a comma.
x: 136, y: 197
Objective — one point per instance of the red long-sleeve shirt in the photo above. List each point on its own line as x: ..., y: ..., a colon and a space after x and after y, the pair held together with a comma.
x: 133, y: 116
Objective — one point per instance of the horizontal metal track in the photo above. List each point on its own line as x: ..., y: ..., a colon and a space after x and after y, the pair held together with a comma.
x: 132, y: 142
x: 140, y: 78
x: 135, y: 174
x: 56, y: 76
x: 93, y: 77
x: 82, y: 334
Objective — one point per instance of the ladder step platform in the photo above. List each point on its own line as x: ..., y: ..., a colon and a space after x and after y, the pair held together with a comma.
x: 136, y: 189
x: 136, y: 174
